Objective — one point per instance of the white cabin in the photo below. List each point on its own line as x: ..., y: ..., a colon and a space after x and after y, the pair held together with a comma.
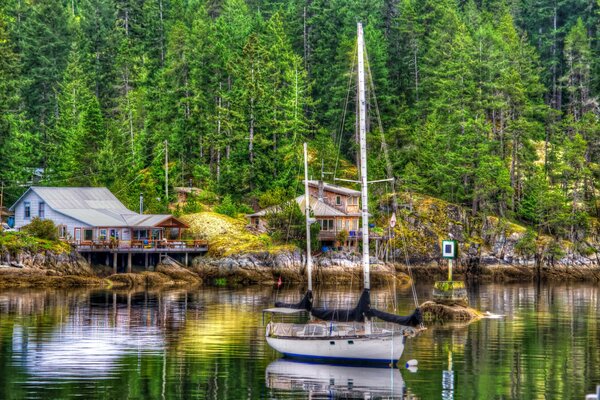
x: 93, y: 215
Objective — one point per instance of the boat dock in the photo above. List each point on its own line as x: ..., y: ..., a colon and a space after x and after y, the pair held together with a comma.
x: 123, y: 256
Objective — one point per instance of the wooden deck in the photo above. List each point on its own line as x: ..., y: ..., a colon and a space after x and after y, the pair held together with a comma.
x: 143, y: 246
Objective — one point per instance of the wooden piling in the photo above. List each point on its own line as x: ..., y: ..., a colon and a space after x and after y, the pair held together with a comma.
x: 146, y: 261
x: 129, y: 262
x: 115, y: 262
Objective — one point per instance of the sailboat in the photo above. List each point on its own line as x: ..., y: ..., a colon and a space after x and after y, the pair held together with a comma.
x: 345, y: 335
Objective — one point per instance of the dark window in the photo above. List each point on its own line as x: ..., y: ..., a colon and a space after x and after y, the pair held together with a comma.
x: 62, y: 231
x: 42, y: 210
x: 27, y: 210
x: 88, y: 234
x: 338, y: 200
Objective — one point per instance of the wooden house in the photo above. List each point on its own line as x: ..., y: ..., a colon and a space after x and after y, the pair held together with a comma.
x: 90, y: 216
x: 335, y: 208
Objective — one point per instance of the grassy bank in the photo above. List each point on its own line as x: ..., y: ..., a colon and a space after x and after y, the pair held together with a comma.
x: 228, y: 236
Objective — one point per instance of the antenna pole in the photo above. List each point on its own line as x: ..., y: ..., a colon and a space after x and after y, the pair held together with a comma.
x: 362, y: 130
x: 307, y: 215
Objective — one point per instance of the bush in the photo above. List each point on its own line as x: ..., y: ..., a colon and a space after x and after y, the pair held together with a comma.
x: 227, y: 207
x: 42, y: 229
x: 192, y: 205
x: 526, y: 246
x: 207, y: 197
x: 342, y: 236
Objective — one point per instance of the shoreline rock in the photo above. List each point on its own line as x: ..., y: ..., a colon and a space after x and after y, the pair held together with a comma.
x: 47, y: 269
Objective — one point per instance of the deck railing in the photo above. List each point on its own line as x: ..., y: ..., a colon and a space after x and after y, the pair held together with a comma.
x: 140, y: 244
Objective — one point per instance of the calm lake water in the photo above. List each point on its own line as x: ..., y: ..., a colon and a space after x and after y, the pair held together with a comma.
x: 209, y: 344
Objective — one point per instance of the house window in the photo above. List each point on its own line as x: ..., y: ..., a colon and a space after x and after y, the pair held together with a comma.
x: 338, y: 200
x: 327, y: 225
x: 354, y: 224
x: 62, y: 231
x: 102, y: 234
x: 340, y: 225
x: 353, y: 201
x: 88, y: 234
x: 27, y: 206
x: 41, y: 210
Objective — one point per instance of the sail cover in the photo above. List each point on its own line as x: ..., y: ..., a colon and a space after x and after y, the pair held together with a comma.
x: 363, y: 310
x: 304, y: 304
x: 414, y: 319
x: 357, y: 313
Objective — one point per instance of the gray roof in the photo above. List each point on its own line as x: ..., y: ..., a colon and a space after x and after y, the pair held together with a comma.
x: 94, y: 206
x: 335, y: 188
x: 318, y: 207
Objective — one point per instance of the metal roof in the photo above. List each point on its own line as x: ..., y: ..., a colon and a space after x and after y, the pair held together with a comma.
x: 318, y: 207
x: 94, y: 206
x: 335, y: 188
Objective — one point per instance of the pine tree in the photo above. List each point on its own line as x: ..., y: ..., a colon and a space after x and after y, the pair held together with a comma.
x: 44, y: 43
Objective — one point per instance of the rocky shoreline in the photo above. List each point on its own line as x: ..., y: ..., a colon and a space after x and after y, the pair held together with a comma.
x: 46, y: 269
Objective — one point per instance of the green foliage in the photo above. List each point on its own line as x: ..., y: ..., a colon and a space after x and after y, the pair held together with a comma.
x: 42, y: 229
x: 227, y: 207
x: 207, y: 197
x: 490, y: 105
x: 342, y: 236
x: 286, y: 223
x: 526, y: 246
x: 15, y: 242
x: 192, y: 205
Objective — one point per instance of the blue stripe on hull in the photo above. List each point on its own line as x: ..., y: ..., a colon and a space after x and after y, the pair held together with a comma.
x: 340, y: 359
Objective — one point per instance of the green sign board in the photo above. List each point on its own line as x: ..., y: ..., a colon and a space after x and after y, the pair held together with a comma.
x: 449, y: 248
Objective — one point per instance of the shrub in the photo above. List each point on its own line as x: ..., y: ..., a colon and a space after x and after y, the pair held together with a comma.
x: 526, y: 246
x: 42, y: 229
x: 192, y: 205
x: 227, y: 207
x: 342, y: 236
x: 207, y: 197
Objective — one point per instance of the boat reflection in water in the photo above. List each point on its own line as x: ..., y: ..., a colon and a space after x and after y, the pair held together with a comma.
x: 334, y: 381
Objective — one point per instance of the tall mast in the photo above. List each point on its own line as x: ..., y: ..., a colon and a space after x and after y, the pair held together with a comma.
x: 307, y: 217
x: 363, y: 156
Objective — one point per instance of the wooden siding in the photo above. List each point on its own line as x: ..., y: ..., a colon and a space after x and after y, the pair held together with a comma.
x: 56, y: 217
x: 330, y: 198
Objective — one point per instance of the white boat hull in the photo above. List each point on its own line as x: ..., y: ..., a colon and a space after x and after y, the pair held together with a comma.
x: 379, y: 349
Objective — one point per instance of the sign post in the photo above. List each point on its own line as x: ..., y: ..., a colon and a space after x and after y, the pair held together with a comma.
x: 449, y: 251
x: 450, y: 292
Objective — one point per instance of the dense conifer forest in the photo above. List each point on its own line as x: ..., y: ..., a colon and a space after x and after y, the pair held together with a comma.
x: 491, y: 104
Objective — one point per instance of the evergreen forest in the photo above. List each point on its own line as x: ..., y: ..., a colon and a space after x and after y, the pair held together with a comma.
x: 490, y: 104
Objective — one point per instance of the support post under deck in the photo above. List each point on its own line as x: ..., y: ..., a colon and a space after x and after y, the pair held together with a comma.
x: 129, y: 262
x: 146, y: 261
x: 186, y: 259
x: 115, y: 262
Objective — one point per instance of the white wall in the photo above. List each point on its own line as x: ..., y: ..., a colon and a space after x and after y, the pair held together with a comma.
x: 57, y: 218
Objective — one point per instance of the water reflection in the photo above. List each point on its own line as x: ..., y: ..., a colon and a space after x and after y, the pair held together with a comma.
x: 209, y: 344
x: 286, y: 377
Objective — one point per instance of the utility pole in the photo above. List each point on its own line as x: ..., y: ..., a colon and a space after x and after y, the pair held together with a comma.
x: 167, y: 171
